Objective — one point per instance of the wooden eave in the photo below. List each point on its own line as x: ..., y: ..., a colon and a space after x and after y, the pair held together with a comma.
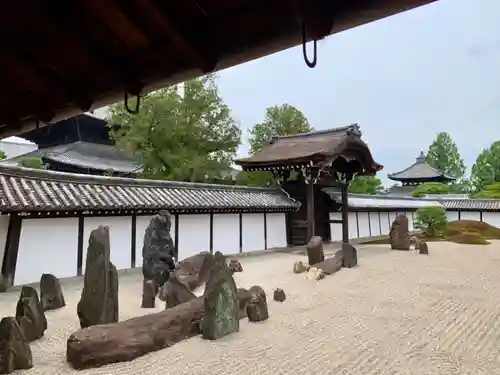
x: 60, y: 58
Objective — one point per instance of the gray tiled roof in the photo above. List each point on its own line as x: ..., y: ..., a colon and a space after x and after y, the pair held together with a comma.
x: 471, y: 204
x: 28, y: 190
x: 85, y: 155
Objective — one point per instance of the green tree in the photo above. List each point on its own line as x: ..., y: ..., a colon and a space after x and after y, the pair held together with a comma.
x: 279, y: 120
x: 180, y: 133
x: 366, y: 185
x: 2, y: 155
x: 431, y: 220
x: 31, y: 162
x: 486, y: 169
x: 491, y: 191
x: 430, y: 188
x: 443, y: 155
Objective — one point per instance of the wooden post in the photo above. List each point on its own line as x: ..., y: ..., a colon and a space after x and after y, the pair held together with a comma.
x: 8, y: 266
x: 310, y: 209
x: 345, y: 213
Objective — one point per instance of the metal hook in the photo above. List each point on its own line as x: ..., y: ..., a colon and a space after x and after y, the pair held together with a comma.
x: 137, y: 104
x: 310, y: 64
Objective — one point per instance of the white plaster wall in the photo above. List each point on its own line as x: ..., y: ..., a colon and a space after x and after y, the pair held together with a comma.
x: 141, y: 223
x: 336, y: 228
x: 364, y: 226
x: 226, y: 235
x: 4, y: 227
x: 253, y: 232
x: 194, y: 234
x: 385, y: 221
x: 374, y: 224
x: 47, y: 246
x: 120, y: 238
x: 492, y: 218
x: 353, y: 226
x: 392, y: 217
x: 452, y: 215
x: 466, y: 215
x: 276, y: 230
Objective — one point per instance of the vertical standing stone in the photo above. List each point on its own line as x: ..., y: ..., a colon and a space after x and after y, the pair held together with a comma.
x: 148, y: 294
x: 314, y: 250
x: 176, y: 292
x: 51, y: 294
x: 349, y: 255
x: 30, y: 315
x: 399, y: 234
x: 99, y: 301
x: 15, y: 352
x: 423, y: 248
x: 221, y: 316
x: 158, y: 250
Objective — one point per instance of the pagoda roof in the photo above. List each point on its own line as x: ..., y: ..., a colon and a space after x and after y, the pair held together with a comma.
x: 420, y: 171
x: 319, y: 148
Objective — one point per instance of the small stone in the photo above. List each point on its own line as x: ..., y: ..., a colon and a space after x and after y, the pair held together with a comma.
x: 195, y: 270
x: 423, y: 248
x: 279, y: 295
x: 15, y: 352
x: 399, y: 234
x: 257, y: 309
x: 235, y: 265
x: 221, y: 314
x: 299, y: 267
x: 320, y: 274
x: 332, y: 265
x: 148, y: 294
x: 311, y: 274
x: 30, y: 315
x: 176, y: 292
x: 257, y: 291
x: 51, y: 294
x: 243, y: 297
x: 99, y: 301
x: 414, y: 241
x: 314, y: 250
x: 349, y: 255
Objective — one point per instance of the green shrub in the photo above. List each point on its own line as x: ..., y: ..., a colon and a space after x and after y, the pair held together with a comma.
x: 430, y: 188
x: 31, y: 162
x: 431, y: 220
x: 2, y: 155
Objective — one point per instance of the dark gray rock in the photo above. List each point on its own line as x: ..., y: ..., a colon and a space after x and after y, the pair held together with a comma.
x: 258, y: 291
x: 99, y: 300
x: 279, y: 295
x: 314, y: 250
x: 243, y: 297
x: 15, y: 352
x: 158, y: 250
x: 148, y: 294
x: 423, y: 248
x: 221, y: 315
x: 235, y: 265
x: 30, y: 315
x: 257, y: 309
x: 399, y: 234
x: 51, y: 294
x: 175, y: 292
x: 349, y: 255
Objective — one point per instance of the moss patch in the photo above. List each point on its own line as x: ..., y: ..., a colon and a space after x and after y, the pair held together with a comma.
x: 484, y: 230
x: 469, y: 238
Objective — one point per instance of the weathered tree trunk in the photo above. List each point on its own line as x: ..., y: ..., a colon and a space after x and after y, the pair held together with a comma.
x: 123, y: 341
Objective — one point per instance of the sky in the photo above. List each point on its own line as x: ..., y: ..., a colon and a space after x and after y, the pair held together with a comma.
x: 403, y: 79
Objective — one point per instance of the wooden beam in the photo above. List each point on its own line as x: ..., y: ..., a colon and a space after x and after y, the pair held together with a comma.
x: 197, y: 46
x: 311, y: 224
x: 11, y: 251
x: 345, y: 213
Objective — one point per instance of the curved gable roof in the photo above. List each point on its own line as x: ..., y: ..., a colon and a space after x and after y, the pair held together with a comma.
x: 420, y: 170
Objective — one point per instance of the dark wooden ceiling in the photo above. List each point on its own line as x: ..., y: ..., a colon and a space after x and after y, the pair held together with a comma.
x: 59, y: 58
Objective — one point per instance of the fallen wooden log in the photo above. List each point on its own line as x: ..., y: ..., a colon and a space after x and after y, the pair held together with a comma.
x: 123, y: 341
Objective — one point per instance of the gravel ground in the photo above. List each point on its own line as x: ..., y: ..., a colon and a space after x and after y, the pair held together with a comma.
x: 397, y: 313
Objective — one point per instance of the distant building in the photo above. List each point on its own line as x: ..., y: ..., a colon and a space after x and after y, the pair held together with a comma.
x: 80, y: 144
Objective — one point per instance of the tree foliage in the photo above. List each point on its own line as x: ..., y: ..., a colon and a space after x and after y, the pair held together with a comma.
x: 443, y: 155
x: 31, y: 162
x: 431, y: 220
x: 3, y: 155
x: 180, y: 133
x: 279, y: 120
x: 366, y: 185
x: 486, y: 170
x: 491, y: 191
x: 429, y: 188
